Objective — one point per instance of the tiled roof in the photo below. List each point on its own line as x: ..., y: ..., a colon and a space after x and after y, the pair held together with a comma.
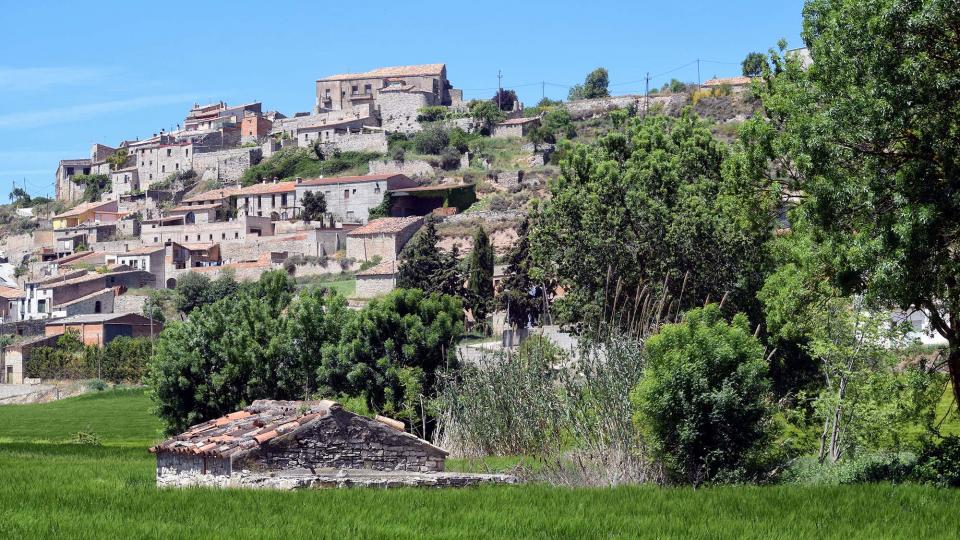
x: 84, y: 298
x: 10, y: 292
x: 385, y: 226
x: 238, y: 433
x: 142, y: 251
x: 90, y: 276
x: 267, y: 188
x: 435, y: 187
x: 518, y: 121
x: 81, y: 208
x: 350, y: 179
x: 185, y: 209
x: 388, y: 72
x: 386, y: 268
x: 199, y: 247
x: 732, y: 81
x: 76, y: 162
x: 95, y: 318
x: 213, y: 195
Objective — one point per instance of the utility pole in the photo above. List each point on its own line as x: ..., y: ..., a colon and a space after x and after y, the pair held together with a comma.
x: 543, y: 90
x: 698, y: 73
x: 646, y: 96
x: 499, y: 88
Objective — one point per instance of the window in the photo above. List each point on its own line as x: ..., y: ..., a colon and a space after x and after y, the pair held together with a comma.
x: 163, y: 168
x: 198, y: 238
x: 176, y: 166
x: 283, y: 199
x: 169, y: 152
x: 151, y: 163
x: 186, y: 152
x: 376, y: 188
x: 273, y: 201
x: 259, y: 201
x: 354, y: 90
x: 236, y: 235
x: 86, y: 170
x: 367, y: 89
x: 151, y: 176
x: 41, y: 306
x: 96, y: 307
x: 346, y: 194
x: 141, y: 164
x: 69, y: 171
x: 354, y: 191
x: 155, y: 239
x: 211, y: 237
x: 223, y: 236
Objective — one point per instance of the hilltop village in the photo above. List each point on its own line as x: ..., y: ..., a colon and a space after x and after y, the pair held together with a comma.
x: 234, y: 190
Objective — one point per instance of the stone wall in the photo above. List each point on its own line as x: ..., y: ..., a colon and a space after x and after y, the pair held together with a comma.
x: 187, y: 469
x: 367, y: 248
x: 372, y: 286
x: 344, y: 440
x: 585, y: 108
x: 361, y: 142
x: 412, y: 168
x: 226, y: 165
x: 399, y: 110
x: 253, y: 247
x: 129, y: 303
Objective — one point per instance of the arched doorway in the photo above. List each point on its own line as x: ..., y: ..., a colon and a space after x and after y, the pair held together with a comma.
x: 97, y: 308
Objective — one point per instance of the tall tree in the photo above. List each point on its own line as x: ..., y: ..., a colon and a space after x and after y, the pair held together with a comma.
x: 520, y: 295
x: 480, y: 275
x: 753, y: 64
x: 596, y: 83
x: 648, y: 207
x: 868, y: 137
x: 424, y: 266
x: 505, y: 99
x: 314, y: 206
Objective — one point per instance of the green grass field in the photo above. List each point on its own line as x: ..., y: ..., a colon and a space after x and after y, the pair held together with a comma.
x: 52, y: 488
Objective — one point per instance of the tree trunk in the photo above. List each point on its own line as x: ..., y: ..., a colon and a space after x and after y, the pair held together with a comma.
x: 953, y: 366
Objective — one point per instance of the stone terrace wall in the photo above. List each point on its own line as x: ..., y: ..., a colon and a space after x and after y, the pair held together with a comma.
x: 411, y: 168
x: 254, y: 247
x: 362, y: 142
x: 399, y: 110
x: 344, y: 440
x: 129, y: 303
x: 226, y: 165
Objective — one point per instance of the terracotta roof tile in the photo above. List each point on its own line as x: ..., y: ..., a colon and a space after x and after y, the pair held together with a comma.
x: 350, y: 179
x: 267, y: 188
x: 386, y: 226
x: 390, y: 72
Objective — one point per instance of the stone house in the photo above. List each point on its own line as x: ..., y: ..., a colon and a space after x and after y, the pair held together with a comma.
x: 351, y: 197
x: 174, y: 229
x: 225, y: 197
x: 124, y: 181
x: 275, y: 200
x: 514, y: 127
x: 193, y: 255
x: 11, y: 304
x: 346, y: 90
x: 149, y: 259
x: 381, y: 238
x: 96, y: 302
x: 66, y: 189
x: 288, y: 437
x: 17, y: 354
x: 376, y: 280
x: 102, y: 328
x: 214, y: 116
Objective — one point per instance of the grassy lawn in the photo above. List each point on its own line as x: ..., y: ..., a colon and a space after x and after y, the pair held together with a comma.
x: 345, y: 284
x: 50, y: 488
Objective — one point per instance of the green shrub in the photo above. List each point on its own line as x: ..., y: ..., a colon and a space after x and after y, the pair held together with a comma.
x: 96, y: 385
x: 939, y: 463
x: 449, y: 159
x: 703, y: 399
x: 894, y: 467
x: 431, y: 114
x: 431, y: 140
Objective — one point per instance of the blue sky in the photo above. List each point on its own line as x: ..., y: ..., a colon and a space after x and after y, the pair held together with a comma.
x: 76, y: 73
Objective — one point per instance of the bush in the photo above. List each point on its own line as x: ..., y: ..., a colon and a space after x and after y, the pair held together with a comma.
x: 939, y: 463
x: 431, y: 140
x: 96, y: 385
x: 703, y: 401
x: 450, y: 159
x: 431, y: 114
x: 864, y: 468
x: 460, y: 139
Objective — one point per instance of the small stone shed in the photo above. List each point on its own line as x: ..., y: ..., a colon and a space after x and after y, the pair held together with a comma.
x: 276, y: 437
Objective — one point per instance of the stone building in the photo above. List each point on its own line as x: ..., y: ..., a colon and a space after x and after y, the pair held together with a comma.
x: 102, y: 328
x: 176, y: 229
x: 254, y: 128
x: 149, y: 259
x: 351, y: 197
x: 514, y: 127
x: 376, y: 280
x: 381, y: 238
x: 287, y: 437
x: 344, y: 91
x: 11, y: 304
x: 275, y: 200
